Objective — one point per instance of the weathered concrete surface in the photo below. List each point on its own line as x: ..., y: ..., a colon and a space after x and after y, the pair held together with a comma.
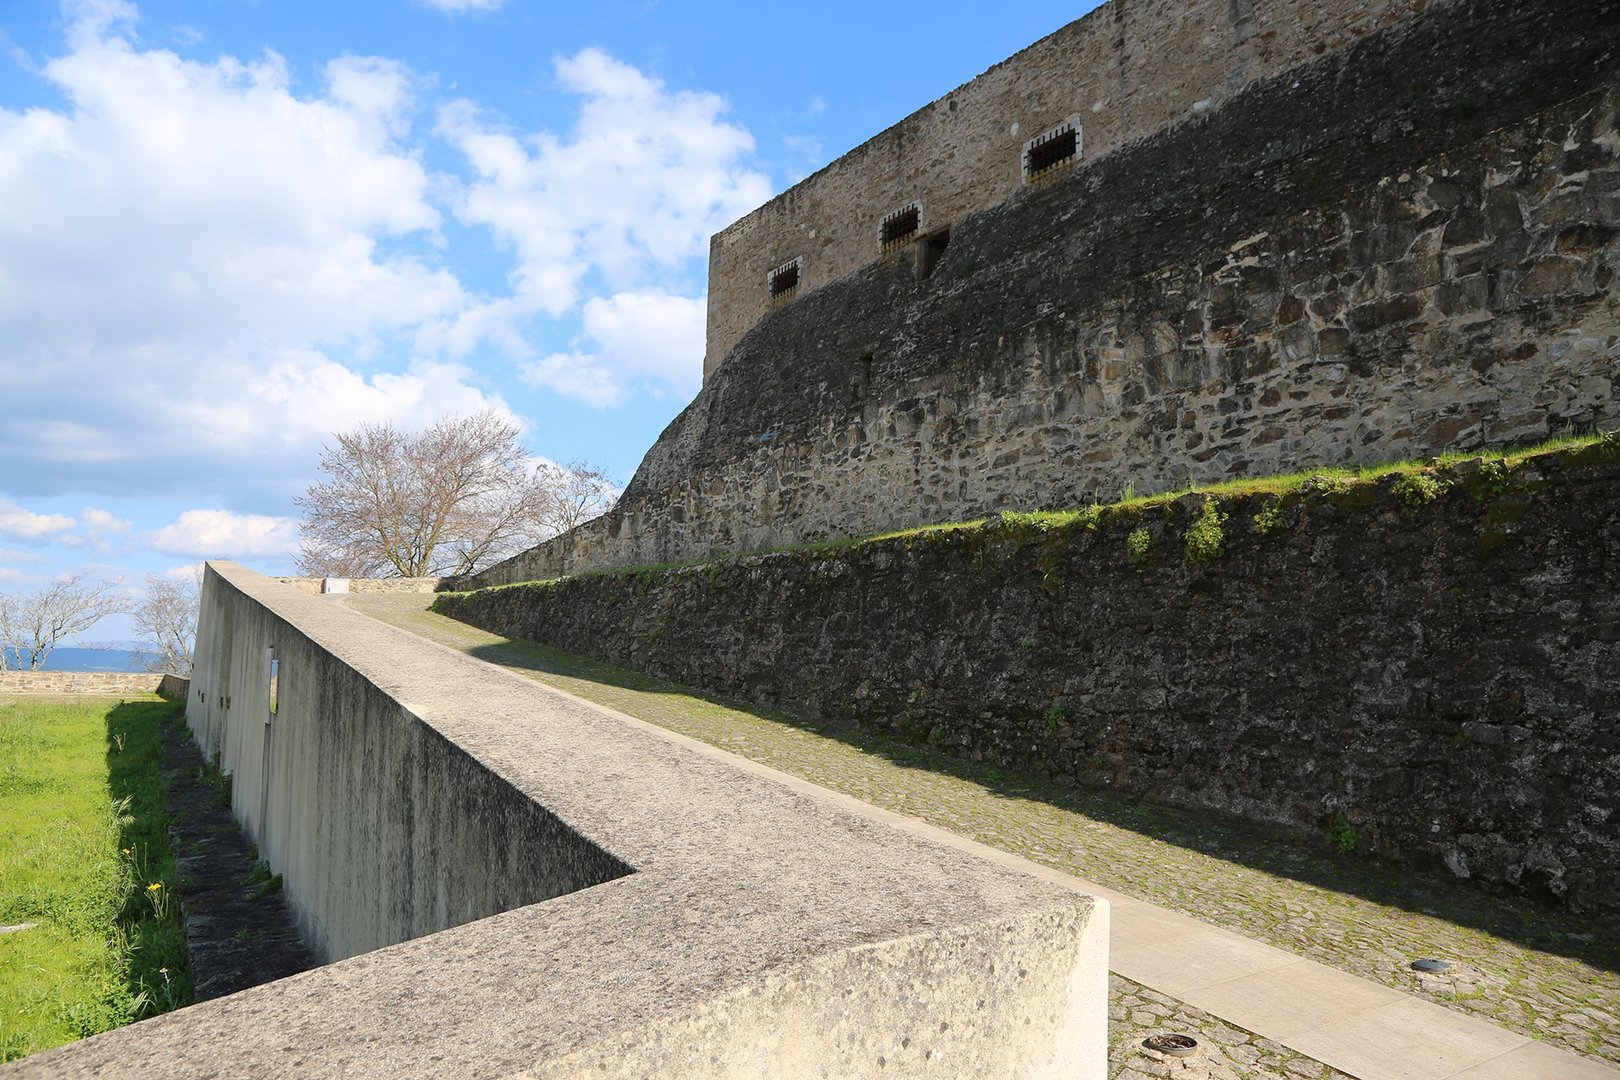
x: 723, y: 924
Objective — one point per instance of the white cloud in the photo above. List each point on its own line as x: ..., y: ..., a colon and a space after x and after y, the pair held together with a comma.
x: 632, y: 194
x: 8, y: 574
x: 184, y: 238
x: 222, y: 534
x: 26, y: 525
x: 464, y: 5
x: 191, y: 572
x: 206, y: 269
x: 646, y: 334
x: 98, y: 521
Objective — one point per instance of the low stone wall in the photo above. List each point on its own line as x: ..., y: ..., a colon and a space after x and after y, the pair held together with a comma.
x: 640, y: 905
x: 1427, y: 666
x: 362, y: 585
x: 92, y: 682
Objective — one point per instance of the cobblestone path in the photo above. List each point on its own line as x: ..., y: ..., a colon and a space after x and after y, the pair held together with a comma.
x: 1550, y: 976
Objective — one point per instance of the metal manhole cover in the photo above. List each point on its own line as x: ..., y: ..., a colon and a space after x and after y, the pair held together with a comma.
x: 1174, y: 1045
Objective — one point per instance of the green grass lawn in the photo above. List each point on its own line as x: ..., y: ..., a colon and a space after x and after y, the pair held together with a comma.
x: 84, y: 857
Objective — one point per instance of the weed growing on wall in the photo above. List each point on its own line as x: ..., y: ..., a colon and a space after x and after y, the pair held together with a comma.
x: 1206, y: 537
x: 1342, y: 836
x: 1052, y: 718
x: 1417, y: 490
x: 1139, y: 545
x: 1270, y: 520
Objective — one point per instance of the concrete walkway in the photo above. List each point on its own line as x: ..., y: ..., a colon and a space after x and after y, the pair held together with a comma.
x: 1356, y: 1027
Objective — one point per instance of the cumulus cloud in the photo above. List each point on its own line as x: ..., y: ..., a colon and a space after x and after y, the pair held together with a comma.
x: 207, y: 268
x: 222, y: 534
x: 186, y: 232
x: 631, y: 194
x: 21, y: 524
x: 629, y: 336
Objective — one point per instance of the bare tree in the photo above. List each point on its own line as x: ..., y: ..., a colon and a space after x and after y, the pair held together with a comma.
x: 580, y: 492
x: 166, y: 619
x: 452, y: 499
x: 33, y: 624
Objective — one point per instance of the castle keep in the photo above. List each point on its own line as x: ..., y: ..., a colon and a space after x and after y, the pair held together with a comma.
x: 1169, y: 244
x: 1097, y: 84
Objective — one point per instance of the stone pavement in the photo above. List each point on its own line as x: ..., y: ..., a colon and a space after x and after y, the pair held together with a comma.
x: 1276, y: 993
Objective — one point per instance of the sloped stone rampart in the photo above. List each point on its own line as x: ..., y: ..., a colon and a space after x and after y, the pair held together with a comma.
x: 1409, y: 245
x: 1426, y: 667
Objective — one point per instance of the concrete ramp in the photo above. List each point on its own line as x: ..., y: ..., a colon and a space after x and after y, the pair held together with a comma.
x: 515, y: 883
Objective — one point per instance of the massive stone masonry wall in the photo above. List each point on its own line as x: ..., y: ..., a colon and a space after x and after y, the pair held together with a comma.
x: 1122, y: 72
x: 1410, y: 245
x: 1433, y: 660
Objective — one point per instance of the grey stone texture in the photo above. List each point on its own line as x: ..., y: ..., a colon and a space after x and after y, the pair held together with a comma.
x: 1407, y: 245
x: 640, y: 905
x: 1425, y: 665
x: 1121, y: 73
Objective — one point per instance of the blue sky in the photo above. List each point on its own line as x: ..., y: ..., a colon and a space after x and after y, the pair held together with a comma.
x: 229, y: 229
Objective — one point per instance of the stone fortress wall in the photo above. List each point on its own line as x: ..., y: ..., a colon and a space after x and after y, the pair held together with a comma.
x: 1431, y: 664
x: 1121, y: 73
x: 512, y: 882
x: 1407, y: 244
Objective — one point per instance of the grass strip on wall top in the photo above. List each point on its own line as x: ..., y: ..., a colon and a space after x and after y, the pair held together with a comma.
x: 90, y: 936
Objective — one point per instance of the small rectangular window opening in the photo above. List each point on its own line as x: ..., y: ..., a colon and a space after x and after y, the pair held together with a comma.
x: 784, y: 280
x: 1046, y: 154
x: 900, y: 227
x: 929, y: 249
x: 274, y: 681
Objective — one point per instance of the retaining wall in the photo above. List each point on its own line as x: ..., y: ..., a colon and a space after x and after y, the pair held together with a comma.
x: 323, y: 585
x: 92, y: 682
x: 640, y: 905
x: 1430, y: 665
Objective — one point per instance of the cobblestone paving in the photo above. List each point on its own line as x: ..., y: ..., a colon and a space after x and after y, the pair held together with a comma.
x: 1550, y: 976
x: 1224, y: 1052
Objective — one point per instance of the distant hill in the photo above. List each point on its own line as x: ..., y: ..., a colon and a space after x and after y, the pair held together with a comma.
x: 73, y: 658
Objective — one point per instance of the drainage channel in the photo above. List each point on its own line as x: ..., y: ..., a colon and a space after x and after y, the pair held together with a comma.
x: 239, y: 930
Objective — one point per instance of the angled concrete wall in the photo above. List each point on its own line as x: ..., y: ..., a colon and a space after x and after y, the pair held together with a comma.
x: 673, y: 911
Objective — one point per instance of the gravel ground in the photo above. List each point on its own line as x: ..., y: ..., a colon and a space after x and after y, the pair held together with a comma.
x: 1547, y: 975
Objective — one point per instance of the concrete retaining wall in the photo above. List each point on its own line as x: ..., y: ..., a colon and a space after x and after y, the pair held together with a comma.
x: 706, y: 917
